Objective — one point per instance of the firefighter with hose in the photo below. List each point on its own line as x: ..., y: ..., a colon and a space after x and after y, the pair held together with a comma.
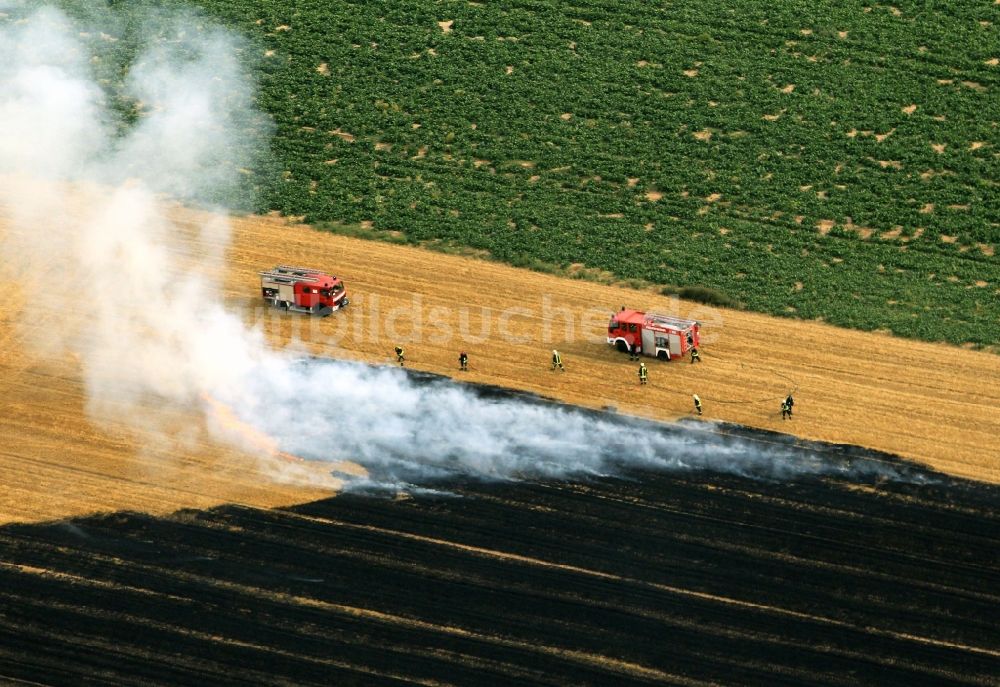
x: 399, y: 355
x: 642, y: 373
x: 557, y: 362
x: 789, y: 401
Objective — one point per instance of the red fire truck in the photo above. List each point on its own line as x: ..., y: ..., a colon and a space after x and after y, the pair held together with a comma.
x: 303, y: 290
x: 658, y: 336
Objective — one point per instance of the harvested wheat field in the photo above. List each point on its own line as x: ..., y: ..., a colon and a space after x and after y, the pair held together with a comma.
x: 933, y: 404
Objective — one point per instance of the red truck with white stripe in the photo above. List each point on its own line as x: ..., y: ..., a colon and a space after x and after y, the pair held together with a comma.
x: 303, y: 290
x: 658, y: 336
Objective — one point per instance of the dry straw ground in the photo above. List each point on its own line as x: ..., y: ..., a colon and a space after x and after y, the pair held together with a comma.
x: 934, y: 404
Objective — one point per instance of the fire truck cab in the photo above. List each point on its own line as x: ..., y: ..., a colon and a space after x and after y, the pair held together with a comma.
x: 303, y: 290
x: 658, y: 336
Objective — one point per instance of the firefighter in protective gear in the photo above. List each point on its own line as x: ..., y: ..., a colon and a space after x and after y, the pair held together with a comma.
x: 695, y: 358
x: 786, y: 410
x: 557, y: 360
x: 399, y: 355
x: 633, y: 352
x: 463, y: 361
x: 789, y: 401
x: 642, y: 373
x: 697, y: 403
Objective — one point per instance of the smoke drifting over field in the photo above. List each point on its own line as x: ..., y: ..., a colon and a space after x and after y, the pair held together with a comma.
x: 406, y: 428
x: 105, y: 252
x: 123, y: 287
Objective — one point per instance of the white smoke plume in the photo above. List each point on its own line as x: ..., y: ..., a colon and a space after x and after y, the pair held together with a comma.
x: 129, y: 298
x: 409, y: 429
x: 86, y: 164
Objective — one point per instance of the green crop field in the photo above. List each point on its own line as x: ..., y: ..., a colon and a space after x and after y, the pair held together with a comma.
x: 833, y: 160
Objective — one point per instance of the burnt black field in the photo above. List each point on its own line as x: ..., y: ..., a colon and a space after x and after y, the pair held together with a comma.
x: 647, y: 578
x: 830, y: 565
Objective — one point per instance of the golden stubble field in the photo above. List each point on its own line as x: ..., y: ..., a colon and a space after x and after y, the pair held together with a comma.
x: 935, y: 404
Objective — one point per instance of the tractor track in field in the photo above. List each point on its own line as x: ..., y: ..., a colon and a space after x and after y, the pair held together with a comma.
x: 651, y: 578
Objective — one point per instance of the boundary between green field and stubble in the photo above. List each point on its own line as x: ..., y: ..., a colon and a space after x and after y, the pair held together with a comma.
x: 778, y: 155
